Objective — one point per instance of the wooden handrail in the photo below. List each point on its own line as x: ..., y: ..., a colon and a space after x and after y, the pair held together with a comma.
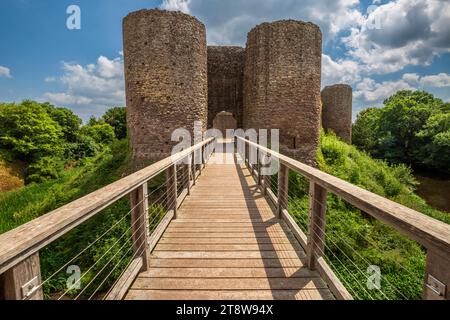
x: 434, y: 235
x: 24, y: 241
x: 431, y: 233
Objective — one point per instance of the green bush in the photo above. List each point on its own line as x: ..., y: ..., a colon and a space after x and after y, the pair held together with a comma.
x: 44, y: 169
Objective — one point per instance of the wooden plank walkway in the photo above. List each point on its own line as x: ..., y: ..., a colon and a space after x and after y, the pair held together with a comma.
x: 227, y: 244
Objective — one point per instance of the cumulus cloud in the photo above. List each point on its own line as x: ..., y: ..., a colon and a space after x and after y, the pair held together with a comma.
x: 176, y: 5
x: 440, y: 80
x: 339, y: 71
x: 410, y: 32
x: 97, y: 86
x: 228, y: 22
x: 5, y: 72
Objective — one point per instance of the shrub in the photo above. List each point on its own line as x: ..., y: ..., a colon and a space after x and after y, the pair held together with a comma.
x: 44, y: 169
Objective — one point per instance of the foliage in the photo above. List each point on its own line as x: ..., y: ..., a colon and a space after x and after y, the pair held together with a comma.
x: 34, y: 200
x: 354, y: 240
x: 413, y: 127
x: 44, y: 169
x: 101, y: 133
x: 69, y: 122
x: 42, y: 135
x: 28, y: 132
x: 117, y: 118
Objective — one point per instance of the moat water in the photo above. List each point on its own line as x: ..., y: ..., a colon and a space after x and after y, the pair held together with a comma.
x: 435, y: 189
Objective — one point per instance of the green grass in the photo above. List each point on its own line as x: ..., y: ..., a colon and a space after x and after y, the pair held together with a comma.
x: 355, y: 240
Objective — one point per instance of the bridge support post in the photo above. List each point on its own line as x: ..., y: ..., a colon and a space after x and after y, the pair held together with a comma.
x: 437, y: 276
x: 171, y: 179
x: 139, y: 222
x: 316, y: 228
x: 22, y: 281
x: 188, y: 172
x: 283, y: 186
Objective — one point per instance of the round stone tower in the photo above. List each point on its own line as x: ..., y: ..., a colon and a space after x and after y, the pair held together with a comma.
x: 282, y: 84
x: 165, y: 56
x: 337, y: 110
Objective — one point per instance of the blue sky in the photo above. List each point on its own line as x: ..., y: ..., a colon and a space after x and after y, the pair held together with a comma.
x: 376, y: 46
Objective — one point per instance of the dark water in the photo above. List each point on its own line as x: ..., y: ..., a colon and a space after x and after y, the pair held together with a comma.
x: 435, y: 189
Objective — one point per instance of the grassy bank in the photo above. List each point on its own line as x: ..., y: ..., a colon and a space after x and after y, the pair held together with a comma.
x: 354, y: 240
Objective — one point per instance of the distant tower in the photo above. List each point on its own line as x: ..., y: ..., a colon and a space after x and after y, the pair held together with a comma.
x: 166, y: 79
x: 337, y: 110
x: 225, y: 82
x: 282, y: 84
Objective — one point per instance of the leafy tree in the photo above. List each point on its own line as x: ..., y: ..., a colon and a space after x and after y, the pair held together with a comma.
x: 117, y: 118
x: 436, y: 133
x: 28, y: 132
x: 364, y: 131
x: 101, y: 133
x: 70, y: 123
x: 411, y: 128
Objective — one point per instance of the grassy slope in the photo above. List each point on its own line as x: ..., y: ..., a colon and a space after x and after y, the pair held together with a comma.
x: 361, y: 239
x: 355, y: 240
x: 32, y: 201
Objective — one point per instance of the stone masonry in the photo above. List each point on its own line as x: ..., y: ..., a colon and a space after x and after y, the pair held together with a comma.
x: 173, y: 79
x: 166, y: 79
x: 225, y: 82
x: 337, y: 110
x: 282, y: 84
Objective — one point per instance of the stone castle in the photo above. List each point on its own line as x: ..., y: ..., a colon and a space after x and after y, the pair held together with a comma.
x: 173, y: 79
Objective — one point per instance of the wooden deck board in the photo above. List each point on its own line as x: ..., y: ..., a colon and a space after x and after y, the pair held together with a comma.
x: 227, y: 245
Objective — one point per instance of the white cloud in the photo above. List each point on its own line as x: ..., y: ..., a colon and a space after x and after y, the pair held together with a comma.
x: 228, y: 22
x: 176, y: 5
x: 5, y: 72
x: 63, y: 98
x: 412, y: 32
x: 96, y: 86
x: 440, y: 80
x: 369, y: 91
x: 340, y: 71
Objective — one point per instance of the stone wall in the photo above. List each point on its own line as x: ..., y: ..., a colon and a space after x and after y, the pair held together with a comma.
x: 337, y: 110
x: 282, y: 84
x: 166, y: 79
x: 225, y: 82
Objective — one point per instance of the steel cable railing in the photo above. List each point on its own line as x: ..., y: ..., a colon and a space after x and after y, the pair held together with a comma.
x: 336, y: 249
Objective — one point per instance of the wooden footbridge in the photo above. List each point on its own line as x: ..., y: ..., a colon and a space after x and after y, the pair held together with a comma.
x: 225, y: 233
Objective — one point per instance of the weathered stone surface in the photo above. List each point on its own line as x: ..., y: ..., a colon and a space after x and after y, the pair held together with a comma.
x: 166, y: 79
x: 225, y: 82
x: 337, y: 110
x: 282, y: 84
x: 223, y: 121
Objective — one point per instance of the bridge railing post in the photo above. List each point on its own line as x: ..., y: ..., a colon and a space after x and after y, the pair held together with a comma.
x: 171, y: 179
x: 23, y: 281
x: 283, y: 185
x: 188, y: 173
x: 316, y: 227
x: 437, y: 276
x: 139, y: 223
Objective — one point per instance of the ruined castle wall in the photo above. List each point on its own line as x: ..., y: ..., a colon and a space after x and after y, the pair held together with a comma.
x: 166, y: 79
x: 282, y: 84
x: 337, y: 110
x: 225, y: 82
